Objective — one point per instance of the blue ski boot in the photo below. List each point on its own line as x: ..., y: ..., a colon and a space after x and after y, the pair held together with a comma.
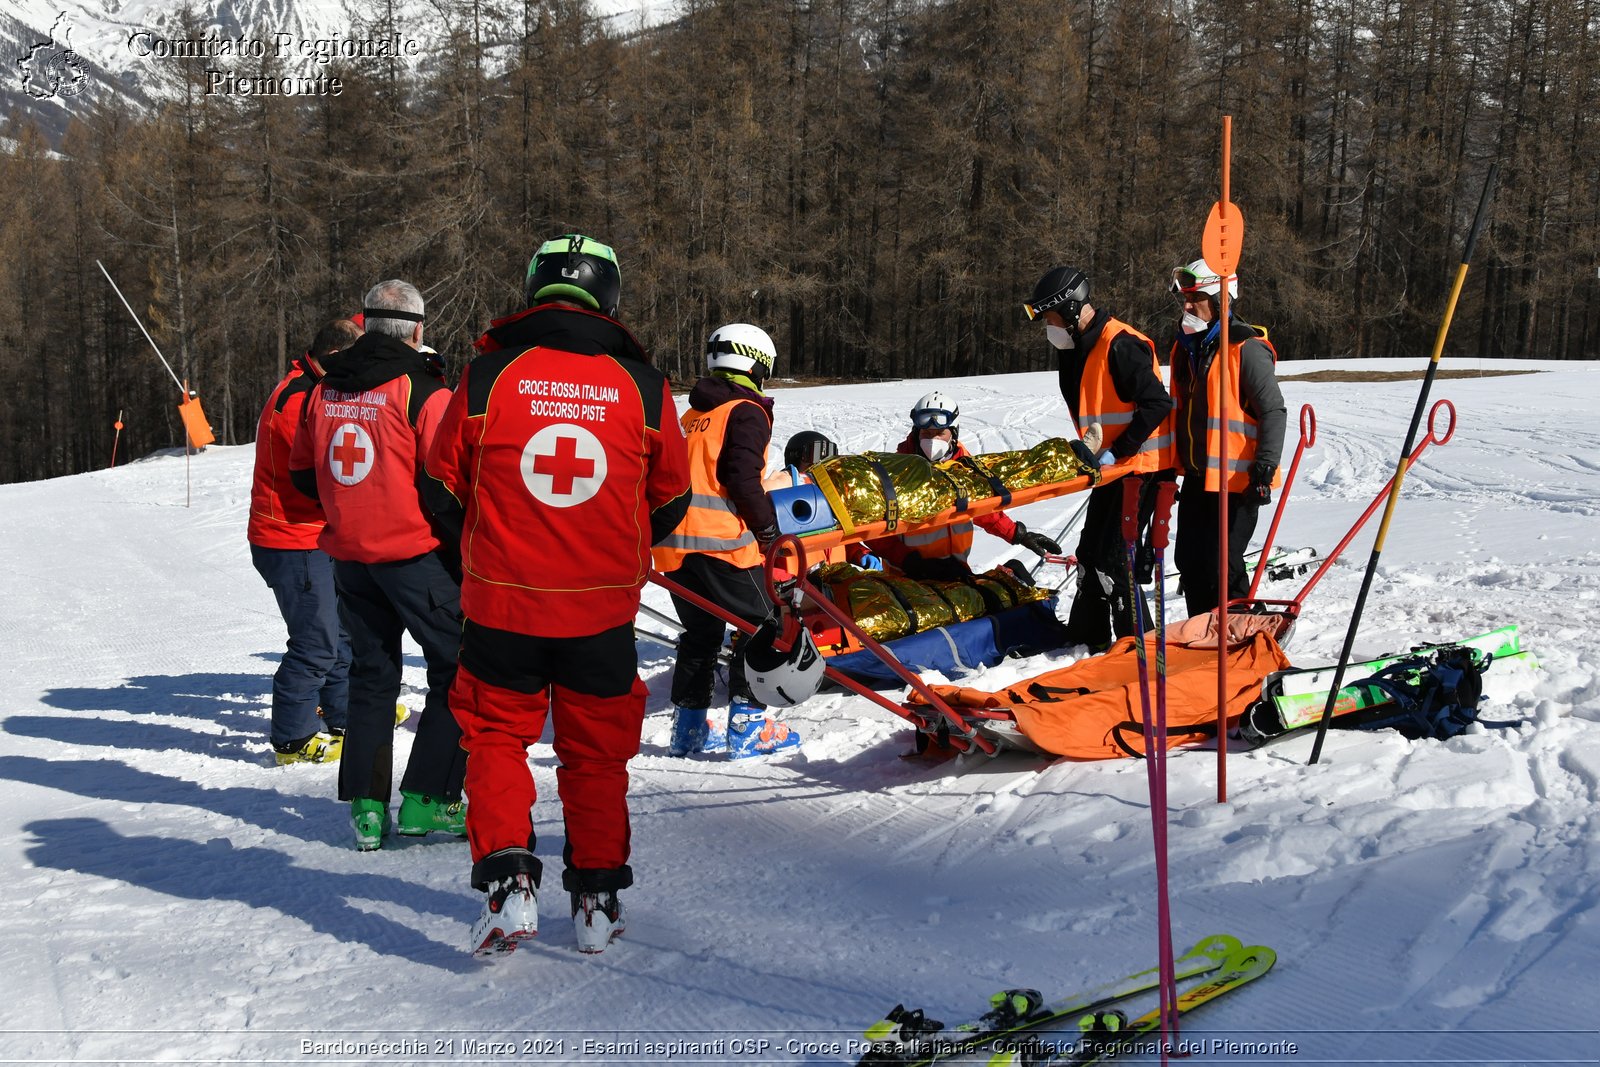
x: 753, y: 732
x: 689, y: 730
x: 716, y: 735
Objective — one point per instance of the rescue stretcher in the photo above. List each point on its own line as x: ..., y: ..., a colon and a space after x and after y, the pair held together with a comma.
x: 948, y: 720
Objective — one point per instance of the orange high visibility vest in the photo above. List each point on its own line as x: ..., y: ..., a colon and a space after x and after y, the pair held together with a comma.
x: 952, y: 540
x: 1242, y: 428
x: 712, y: 526
x: 1098, y: 402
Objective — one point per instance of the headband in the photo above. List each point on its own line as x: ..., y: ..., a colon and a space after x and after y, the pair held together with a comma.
x: 385, y: 313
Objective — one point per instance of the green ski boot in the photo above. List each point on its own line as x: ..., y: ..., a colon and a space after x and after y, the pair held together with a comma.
x: 371, y: 821
x: 421, y: 814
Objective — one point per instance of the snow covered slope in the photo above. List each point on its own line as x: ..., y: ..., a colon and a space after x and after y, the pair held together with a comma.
x: 174, y: 895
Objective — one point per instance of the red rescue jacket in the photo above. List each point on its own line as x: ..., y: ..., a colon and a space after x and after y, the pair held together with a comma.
x: 562, y: 454
x: 368, y: 426
x: 280, y: 515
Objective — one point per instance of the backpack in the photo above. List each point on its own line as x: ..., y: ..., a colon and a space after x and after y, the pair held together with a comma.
x: 1435, y: 694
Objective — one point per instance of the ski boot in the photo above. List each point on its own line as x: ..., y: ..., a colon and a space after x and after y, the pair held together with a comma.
x: 598, y: 919
x: 716, y: 735
x: 371, y: 821
x: 510, y: 916
x: 318, y: 748
x: 690, y: 730
x: 753, y: 732
x: 421, y: 814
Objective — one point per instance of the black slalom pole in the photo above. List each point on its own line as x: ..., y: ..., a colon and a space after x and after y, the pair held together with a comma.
x: 1400, y: 467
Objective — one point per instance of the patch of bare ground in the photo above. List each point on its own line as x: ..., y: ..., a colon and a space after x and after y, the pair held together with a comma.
x: 1393, y: 375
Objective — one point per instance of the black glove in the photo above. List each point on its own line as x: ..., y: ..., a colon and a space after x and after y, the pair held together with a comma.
x: 1084, y: 454
x: 766, y: 535
x: 1037, y: 543
x: 1260, y: 489
x: 944, y: 569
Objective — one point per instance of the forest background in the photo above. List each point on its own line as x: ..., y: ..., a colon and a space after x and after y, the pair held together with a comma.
x: 876, y: 182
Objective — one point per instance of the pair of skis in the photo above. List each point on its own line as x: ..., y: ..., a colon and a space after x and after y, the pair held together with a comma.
x: 1010, y: 1033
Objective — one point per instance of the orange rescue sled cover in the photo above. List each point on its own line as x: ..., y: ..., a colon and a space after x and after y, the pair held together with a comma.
x: 1083, y: 710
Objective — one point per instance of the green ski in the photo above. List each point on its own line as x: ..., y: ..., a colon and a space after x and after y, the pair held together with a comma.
x: 1109, y: 1034
x: 1295, y: 698
x: 909, y: 1039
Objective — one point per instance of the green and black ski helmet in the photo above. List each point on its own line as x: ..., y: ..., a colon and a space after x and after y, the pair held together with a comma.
x: 577, y: 268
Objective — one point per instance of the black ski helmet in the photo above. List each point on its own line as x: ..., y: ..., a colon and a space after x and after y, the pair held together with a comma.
x: 808, y: 447
x: 577, y: 268
x: 1062, y: 289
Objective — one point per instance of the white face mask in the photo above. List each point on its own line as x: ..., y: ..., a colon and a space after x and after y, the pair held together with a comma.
x: 1059, y: 337
x: 1193, y: 323
x: 936, y: 448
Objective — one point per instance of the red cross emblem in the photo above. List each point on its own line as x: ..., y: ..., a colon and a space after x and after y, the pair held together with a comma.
x: 350, y: 454
x: 563, y: 465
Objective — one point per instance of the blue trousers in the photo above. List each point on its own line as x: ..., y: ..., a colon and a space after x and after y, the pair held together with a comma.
x: 315, y: 669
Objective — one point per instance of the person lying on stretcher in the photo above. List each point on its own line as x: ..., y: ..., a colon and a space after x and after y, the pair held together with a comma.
x: 942, y: 554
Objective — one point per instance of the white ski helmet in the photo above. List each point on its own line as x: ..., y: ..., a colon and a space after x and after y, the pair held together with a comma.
x: 782, y: 679
x: 936, y: 411
x: 741, y: 347
x: 1198, y: 277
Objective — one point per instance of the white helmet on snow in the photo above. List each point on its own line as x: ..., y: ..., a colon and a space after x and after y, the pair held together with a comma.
x: 741, y: 347
x: 782, y: 679
x: 936, y: 411
x: 1198, y: 277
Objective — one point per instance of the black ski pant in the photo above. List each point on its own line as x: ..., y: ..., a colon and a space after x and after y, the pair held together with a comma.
x: 738, y: 591
x: 1104, y: 605
x: 379, y: 603
x: 1195, y: 549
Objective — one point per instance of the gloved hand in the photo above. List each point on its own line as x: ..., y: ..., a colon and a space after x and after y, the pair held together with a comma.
x: 1106, y: 458
x: 1260, y: 488
x: 944, y: 569
x: 870, y: 562
x: 1037, y: 543
x: 1085, y: 455
x: 766, y: 535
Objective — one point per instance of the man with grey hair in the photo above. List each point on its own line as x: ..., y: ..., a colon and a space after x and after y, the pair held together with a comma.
x: 368, y: 426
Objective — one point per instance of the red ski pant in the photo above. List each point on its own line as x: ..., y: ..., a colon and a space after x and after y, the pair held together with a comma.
x: 505, y: 687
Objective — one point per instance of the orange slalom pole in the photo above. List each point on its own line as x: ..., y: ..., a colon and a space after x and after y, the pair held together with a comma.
x: 116, y: 438
x: 1225, y: 271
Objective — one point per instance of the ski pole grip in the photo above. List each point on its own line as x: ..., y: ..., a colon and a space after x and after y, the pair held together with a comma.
x: 1166, y: 492
x: 1130, y: 508
x: 1308, y: 426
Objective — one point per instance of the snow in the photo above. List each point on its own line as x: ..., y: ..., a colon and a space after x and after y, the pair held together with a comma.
x: 174, y: 895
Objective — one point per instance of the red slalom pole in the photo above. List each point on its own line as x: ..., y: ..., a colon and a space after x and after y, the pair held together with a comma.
x: 1308, y: 437
x: 1160, y: 531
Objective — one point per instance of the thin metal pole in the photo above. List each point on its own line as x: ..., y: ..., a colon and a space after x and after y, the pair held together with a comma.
x: 142, y: 330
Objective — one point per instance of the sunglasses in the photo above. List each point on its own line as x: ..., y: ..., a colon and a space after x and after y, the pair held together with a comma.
x: 933, y: 419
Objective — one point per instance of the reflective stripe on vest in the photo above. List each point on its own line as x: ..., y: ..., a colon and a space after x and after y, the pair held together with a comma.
x: 1098, y: 402
x: 712, y: 525
x: 1242, y: 430
x: 954, y: 539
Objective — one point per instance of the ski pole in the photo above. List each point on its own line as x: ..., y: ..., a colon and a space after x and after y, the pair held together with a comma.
x: 1062, y: 536
x: 1159, y: 538
x: 1154, y: 751
x: 1400, y: 467
x: 1308, y: 437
